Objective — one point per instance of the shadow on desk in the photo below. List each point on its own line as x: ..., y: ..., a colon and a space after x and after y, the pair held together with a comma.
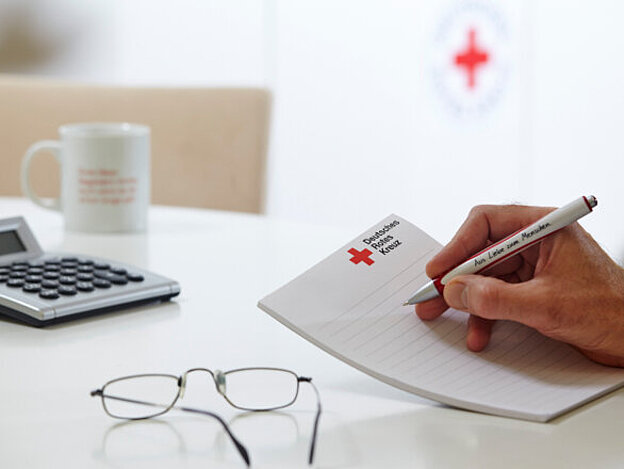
x: 446, y: 437
x: 109, y: 323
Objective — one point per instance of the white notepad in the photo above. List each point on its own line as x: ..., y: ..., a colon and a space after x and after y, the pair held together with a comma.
x: 350, y: 305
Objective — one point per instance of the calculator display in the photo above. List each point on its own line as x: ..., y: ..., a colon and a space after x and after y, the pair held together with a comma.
x: 10, y: 243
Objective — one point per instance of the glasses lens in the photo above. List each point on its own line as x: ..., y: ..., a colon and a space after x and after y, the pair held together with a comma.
x: 140, y: 396
x: 260, y: 388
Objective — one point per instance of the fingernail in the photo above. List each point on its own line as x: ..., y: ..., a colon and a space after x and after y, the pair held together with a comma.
x: 456, y: 295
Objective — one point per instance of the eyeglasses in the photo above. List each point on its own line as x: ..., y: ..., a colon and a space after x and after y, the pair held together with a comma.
x: 144, y: 396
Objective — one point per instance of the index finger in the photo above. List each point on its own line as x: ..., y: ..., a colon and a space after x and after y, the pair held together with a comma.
x: 484, y: 224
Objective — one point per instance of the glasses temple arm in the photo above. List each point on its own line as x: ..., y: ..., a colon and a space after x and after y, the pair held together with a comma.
x: 99, y: 392
x: 316, y: 418
x: 239, y: 446
x: 241, y: 449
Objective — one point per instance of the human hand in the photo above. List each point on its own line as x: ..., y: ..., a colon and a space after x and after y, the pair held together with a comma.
x: 566, y: 287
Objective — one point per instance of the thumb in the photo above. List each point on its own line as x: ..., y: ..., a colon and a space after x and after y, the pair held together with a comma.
x: 490, y: 297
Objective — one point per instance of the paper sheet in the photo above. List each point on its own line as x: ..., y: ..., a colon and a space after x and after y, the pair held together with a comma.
x: 350, y: 305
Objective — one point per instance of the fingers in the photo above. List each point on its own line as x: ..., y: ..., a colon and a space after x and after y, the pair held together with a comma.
x: 484, y: 223
x: 492, y: 298
x: 507, y: 267
x: 431, y: 309
x: 479, y: 331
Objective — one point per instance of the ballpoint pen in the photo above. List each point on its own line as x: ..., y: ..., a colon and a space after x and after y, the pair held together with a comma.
x: 510, y: 246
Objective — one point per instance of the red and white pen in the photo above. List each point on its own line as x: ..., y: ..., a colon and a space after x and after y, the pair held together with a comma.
x: 510, y: 246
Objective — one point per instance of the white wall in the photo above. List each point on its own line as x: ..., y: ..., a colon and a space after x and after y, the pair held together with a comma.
x: 362, y: 122
x: 578, y: 110
x: 361, y: 131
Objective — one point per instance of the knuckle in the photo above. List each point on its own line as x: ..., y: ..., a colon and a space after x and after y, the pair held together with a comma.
x: 463, y: 246
x: 481, y: 210
x: 477, y: 211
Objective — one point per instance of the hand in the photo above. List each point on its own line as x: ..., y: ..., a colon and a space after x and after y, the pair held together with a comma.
x: 566, y: 287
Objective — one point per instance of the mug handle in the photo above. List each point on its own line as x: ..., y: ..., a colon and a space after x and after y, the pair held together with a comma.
x: 54, y: 147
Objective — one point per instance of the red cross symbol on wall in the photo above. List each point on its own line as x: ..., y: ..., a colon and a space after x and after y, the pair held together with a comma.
x: 361, y: 256
x: 471, y: 58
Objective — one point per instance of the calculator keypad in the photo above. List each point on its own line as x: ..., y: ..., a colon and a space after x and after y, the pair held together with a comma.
x: 66, y: 276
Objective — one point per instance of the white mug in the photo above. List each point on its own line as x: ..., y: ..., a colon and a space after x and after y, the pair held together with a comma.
x: 105, y: 176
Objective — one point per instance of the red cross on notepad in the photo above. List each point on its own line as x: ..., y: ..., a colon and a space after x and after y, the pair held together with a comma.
x: 471, y: 58
x: 361, y: 256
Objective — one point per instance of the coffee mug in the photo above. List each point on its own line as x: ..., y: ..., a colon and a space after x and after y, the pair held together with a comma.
x: 105, y: 176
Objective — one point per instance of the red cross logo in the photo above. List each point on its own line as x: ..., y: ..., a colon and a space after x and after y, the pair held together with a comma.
x: 361, y: 256
x: 471, y: 58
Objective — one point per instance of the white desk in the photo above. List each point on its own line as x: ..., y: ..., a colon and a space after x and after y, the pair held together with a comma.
x: 225, y: 263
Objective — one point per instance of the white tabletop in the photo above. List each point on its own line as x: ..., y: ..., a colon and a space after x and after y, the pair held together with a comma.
x: 225, y: 262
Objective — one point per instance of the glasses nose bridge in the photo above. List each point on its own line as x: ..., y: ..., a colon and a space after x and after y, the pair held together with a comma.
x: 184, y: 377
x: 219, y: 379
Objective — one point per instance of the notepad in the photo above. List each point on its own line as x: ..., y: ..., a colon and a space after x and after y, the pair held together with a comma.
x: 350, y: 305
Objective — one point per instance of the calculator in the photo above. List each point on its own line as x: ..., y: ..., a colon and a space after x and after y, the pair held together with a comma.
x: 47, y: 288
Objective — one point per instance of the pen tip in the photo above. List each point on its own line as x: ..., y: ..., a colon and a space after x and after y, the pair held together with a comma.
x: 406, y: 304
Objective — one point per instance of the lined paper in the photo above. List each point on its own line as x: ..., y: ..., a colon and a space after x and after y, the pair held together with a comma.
x: 353, y: 310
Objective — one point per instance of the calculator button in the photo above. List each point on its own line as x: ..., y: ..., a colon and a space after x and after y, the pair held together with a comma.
x: 84, y: 286
x: 31, y: 287
x: 52, y: 267
x: 111, y: 277
x: 4, y: 270
x: 101, y: 265
x: 15, y: 282
x: 118, y: 271
x: 35, y: 271
x: 85, y: 261
x: 84, y: 277
x: 48, y: 294
x: 51, y: 275
x: 67, y: 290
x: 37, y: 264
x: 117, y: 279
x: 33, y: 278
x: 68, y: 271
x: 134, y: 277
x: 20, y: 267
x: 69, y: 259
x: 18, y: 274
x: 67, y: 280
x: 101, y: 283
x: 52, y: 261
x: 85, y: 268
x: 3, y: 278
x: 49, y: 284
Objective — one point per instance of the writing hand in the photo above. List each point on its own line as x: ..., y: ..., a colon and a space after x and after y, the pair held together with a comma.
x: 566, y: 287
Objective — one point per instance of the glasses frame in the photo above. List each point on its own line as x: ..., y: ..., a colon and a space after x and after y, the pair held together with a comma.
x: 219, y: 380
x: 144, y: 375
